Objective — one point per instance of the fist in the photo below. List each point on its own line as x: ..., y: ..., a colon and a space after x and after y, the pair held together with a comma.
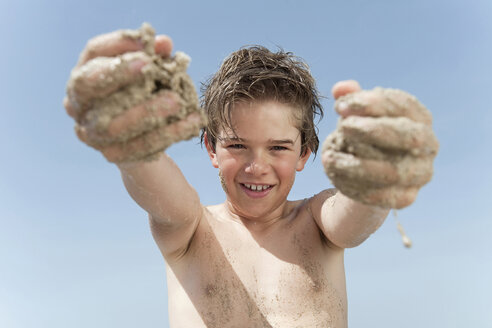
x: 383, y: 149
x: 129, y: 98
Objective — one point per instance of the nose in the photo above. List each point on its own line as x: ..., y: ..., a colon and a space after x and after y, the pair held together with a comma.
x: 258, y: 165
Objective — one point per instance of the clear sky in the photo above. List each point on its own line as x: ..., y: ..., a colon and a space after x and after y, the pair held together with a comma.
x: 76, y: 251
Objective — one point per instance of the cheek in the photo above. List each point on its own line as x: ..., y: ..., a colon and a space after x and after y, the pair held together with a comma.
x: 228, y: 167
x: 222, y: 181
x: 286, y: 167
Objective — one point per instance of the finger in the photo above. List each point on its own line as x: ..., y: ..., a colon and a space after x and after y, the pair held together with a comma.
x: 69, y: 107
x: 163, y: 46
x: 110, y: 45
x: 338, y: 142
x: 387, y: 197
x: 361, y: 171
x: 391, y: 197
x: 148, y: 114
x: 102, y: 76
x: 155, y: 140
x: 342, y: 88
x: 398, y: 133
x: 118, y: 43
x: 414, y: 172
x: 407, y: 172
x: 135, y: 121
x: 81, y: 133
x: 383, y: 102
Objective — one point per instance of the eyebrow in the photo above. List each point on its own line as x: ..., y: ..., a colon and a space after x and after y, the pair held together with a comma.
x: 281, y: 141
x: 270, y: 141
x: 230, y: 139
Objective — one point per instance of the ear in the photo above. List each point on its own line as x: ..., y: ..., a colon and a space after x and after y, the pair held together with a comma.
x: 302, y: 160
x: 210, y: 151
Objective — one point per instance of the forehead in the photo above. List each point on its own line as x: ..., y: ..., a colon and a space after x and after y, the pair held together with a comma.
x: 270, y: 119
x: 269, y: 111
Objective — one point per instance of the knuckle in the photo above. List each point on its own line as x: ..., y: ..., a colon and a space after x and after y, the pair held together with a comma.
x: 95, y: 43
x: 91, y: 43
x: 90, y: 50
x: 69, y: 108
x: 81, y: 133
x: 77, y: 80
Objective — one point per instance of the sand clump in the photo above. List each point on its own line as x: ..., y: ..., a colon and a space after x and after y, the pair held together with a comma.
x: 382, y: 159
x: 95, y: 110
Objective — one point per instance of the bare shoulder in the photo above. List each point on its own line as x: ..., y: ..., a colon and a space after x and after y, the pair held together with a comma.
x: 302, y: 223
x: 318, y: 200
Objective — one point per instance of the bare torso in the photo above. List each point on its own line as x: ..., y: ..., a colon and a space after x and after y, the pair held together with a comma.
x: 287, y: 275
x: 233, y: 274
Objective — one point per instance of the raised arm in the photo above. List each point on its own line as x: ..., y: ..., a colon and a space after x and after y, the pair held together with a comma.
x: 174, y: 208
x: 378, y: 158
x: 131, y: 100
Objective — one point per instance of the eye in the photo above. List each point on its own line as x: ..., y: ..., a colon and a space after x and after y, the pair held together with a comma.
x: 279, y: 148
x: 236, y: 146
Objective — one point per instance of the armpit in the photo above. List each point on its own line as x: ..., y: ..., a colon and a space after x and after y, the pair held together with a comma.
x: 174, y: 242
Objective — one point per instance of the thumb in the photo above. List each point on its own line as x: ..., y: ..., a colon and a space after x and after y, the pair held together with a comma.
x: 342, y: 88
x: 163, y: 45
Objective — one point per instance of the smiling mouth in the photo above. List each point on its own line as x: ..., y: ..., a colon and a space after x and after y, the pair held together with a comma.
x: 256, y: 187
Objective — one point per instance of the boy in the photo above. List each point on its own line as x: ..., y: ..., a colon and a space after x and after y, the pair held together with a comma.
x: 257, y: 260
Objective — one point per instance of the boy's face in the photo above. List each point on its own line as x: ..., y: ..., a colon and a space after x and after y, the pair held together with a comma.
x: 258, y: 165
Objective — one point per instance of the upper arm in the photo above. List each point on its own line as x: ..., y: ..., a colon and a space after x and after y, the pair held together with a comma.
x: 344, y: 222
x: 174, y: 207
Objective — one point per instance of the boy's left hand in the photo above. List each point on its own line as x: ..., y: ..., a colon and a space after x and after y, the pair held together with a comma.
x: 383, y: 149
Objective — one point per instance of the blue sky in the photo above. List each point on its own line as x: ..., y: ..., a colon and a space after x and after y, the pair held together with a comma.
x: 75, y: 251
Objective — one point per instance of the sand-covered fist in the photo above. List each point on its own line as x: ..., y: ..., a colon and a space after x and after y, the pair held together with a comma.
x: 130, y: 99
x: 383, y: 148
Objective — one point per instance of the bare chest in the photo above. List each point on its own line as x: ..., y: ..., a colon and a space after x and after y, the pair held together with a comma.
x: 287, y: 278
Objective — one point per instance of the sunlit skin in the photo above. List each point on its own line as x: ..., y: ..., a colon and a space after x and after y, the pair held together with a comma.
x: 256, y: 260
x: 267, y: 155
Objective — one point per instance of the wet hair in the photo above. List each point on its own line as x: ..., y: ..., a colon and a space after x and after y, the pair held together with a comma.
x: 253, y: 74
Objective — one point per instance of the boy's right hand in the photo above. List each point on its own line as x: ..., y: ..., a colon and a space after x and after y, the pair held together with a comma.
x: 110, y: 63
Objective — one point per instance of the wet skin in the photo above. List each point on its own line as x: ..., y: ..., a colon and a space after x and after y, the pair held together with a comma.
x: 257, y: 260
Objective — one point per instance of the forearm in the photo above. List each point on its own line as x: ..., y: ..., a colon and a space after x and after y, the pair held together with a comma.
x: 349, y: 222
x: 160, y: 188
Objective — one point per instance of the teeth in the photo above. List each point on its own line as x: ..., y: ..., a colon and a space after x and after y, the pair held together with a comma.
x: 256, y: 187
